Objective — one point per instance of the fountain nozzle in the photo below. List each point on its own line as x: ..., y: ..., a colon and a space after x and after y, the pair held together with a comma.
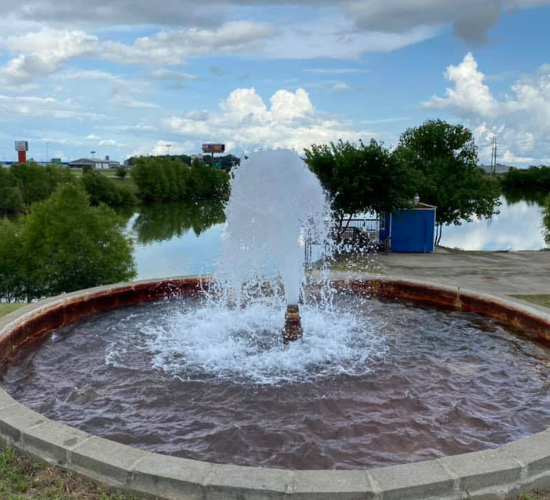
x: 293, y: 325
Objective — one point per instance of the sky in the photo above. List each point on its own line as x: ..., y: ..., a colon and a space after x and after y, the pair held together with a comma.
x: 136, y: 77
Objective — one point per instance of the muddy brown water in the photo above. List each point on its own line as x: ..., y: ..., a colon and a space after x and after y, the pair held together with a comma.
x: 441, y: 383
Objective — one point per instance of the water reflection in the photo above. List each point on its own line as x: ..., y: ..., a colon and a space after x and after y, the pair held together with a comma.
x: 177, y: 239
x: 164, y: 221
x: 518, y: 226
x: 180, y: 239
x: 515, y: 196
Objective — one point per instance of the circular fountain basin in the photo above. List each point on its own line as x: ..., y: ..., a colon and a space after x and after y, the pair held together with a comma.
x: 517, y: 466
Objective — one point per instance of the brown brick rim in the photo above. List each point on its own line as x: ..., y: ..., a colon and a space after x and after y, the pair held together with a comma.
x: 504, y: 472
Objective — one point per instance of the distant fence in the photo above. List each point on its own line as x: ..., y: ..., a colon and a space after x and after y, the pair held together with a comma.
x: 358, y: 230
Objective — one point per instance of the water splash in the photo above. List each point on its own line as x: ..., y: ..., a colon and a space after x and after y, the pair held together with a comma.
x: 277, y: 205
x: 234, y: 333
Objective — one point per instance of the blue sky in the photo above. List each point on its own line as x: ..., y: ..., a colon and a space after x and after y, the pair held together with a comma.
x: 124, y: 77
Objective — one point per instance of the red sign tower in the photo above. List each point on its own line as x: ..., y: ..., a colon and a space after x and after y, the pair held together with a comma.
x: 21, y: 147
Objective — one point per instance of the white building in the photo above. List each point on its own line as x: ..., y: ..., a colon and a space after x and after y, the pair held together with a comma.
x: 95, y: 163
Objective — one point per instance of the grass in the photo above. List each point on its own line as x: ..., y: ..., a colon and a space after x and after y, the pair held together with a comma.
x: 539, y: 300
x: 542, y: 495
x: 8, y: 308
x: 24, y: 479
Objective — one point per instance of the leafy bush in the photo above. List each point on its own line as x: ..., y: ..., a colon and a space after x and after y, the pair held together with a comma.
x: 166, y: 179
x: 63, y: 245
x: 102, y: 190
x: 121, y: 172
x: 532, y: 178
x: 35, y: 183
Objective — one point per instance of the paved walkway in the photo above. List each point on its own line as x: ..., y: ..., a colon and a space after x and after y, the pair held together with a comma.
x: 497, y: 273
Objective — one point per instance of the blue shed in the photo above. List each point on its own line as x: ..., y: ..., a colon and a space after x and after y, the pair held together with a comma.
x: 409, y: 230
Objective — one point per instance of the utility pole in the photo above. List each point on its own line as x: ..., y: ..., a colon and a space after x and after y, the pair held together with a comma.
x: 494, y: 155
x: 168, y: 146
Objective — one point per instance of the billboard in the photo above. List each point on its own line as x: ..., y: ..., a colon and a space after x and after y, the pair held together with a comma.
x: 21, y: 146
x: 57, y: 161
x: 213, y: 148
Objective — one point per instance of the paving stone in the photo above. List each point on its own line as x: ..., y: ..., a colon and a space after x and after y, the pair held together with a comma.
x: 330, y: 485
x: 231, y: 482
x: 17, y: 418
x: 413, y: 481
x: 52, y: 440
x: 171, y: 477
x: 483, y: 469
x: 105, y: 460
x: 534, y: 452
x: 5, y: 399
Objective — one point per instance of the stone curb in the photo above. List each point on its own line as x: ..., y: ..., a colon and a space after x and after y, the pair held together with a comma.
x: 500, y: 473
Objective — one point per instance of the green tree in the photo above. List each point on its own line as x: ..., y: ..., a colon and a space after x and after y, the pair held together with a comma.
x: 359, y: 178
x: 103, y: 190
x: 10, y: 195
x: 546, y: 221
x: 36, y: 183
x: 121, y: 172
x: 167, y: 179
x: 442, y: 160
x: 63, y: 245
x: 12, y: 282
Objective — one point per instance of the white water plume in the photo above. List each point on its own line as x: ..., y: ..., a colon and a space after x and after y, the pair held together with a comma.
x: 277, y: 205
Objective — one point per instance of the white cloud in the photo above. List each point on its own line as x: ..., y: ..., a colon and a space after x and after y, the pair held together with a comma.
x: 128, y: 102
x: 245, y: 121
x: 30, y: 106
x: 469, y: 95
x: 520, y: 119
x: 471, y: 19
x: 167, y: 74
x: 336, y: 37
x: 112, y: 143
x: 44, y: 52
x: 341, y: 87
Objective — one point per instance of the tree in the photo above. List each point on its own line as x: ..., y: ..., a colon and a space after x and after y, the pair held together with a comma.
x: 36, y: 183
x: 121, y: 172
x: 63, y: 245
x: 546, y: 221
x: 10, y: 195
x: 359, y: 178
x: 443, y: 162
x: 103, y: 190
x: 166, y: 179
x: 12, y: 283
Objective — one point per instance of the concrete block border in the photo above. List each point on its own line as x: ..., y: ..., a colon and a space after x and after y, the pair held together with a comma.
x: 500, y: 473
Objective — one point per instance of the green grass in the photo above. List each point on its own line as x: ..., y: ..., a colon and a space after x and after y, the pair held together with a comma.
x: 24, y: 479
x: 540, y: 300
x: 8, y: 308
x: 541, y: 495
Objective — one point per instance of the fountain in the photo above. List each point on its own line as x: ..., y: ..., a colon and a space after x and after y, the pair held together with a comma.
x: 277, y: 204
x: 392, y: 381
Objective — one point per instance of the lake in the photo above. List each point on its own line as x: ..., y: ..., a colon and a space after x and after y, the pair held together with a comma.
x: 184, y: 238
